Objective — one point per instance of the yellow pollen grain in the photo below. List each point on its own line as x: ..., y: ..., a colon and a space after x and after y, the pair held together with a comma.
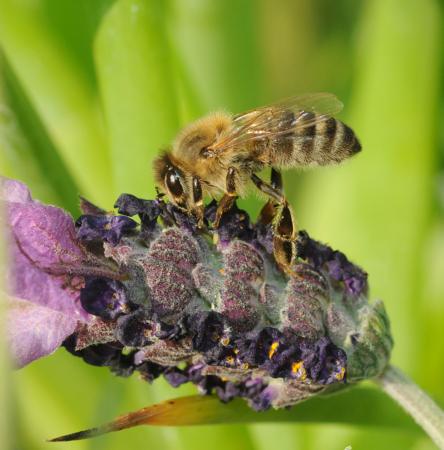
x: 245, y: 366
x: 107, y: 226
x: 225, y: 341
x: 229, y: 360
x: 222, y: 271
x: 340, y: 376
x: 273, y: 347
x: 299, y: 367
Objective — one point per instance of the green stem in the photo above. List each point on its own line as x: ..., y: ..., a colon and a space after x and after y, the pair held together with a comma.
x: 415, y: 402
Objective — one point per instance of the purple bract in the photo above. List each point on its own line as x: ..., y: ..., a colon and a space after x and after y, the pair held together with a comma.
x: 44, y: 253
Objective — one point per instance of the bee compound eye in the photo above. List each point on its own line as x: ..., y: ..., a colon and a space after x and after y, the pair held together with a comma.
x: 172, y: 181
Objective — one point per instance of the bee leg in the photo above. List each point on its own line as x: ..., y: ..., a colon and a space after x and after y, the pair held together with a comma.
x: 267, y: 213
x: 228, y: 198
x: 199, y: 207
x: 284, y: 239
x: 276, y: 179
x: 278, y: 212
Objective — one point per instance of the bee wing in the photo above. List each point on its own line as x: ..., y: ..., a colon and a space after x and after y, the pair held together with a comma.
x: 279, y: 119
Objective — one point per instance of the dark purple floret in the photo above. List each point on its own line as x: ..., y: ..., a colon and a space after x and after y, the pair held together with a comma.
x: 254, y: 390
x: 338, y: 266
x: 355, y: 285
x: 235, y: 223
x: 176, y: 376
x: 258, y: 347
x: 108, y: 355
x: 106, y: 228
x: 313, y: 251
x: 206, y: 383
x: 147, y: 210
x: 96, y: 355
x: 194, y: 372
x: 150, y: 371
x: 228, y: 391
x: 172, y: 332
x: 172, y: 215
x: 261, y: 401
x: 133, y: 329
x: 210, y: 383
x: 341, y: 269
x: 123, y: 365
x: 206, y: 329
x: 100, y: 355
x: 280, y: 365
x: 103, y: 297
x: 323, y: 361
x: 70, y: 344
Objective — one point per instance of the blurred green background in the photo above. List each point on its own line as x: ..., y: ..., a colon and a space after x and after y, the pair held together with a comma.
x: 90, y: 91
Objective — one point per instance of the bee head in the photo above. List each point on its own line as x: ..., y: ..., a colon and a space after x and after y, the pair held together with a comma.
x: 171, y: 179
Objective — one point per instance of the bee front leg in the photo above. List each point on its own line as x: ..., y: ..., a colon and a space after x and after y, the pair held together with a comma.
x: 278, y: 212
x: 228, y: 198
x: 199, y: 206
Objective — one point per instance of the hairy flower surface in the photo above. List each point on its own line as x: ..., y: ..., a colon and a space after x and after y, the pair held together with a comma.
x: 43, y: 297
x: 210, y: 307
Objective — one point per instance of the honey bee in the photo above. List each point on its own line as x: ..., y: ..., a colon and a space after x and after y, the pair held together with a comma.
x: 221, y: 154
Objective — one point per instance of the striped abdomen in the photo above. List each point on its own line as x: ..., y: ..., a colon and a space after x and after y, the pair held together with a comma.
x: 322, y: 142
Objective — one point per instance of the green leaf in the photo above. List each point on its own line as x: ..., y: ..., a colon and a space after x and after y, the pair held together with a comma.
x: 60, y: 94
x: 358, y: 406
x: 64, y: 19
x: 38, y: 148
x: 138, y: 90
x: 220, y: 42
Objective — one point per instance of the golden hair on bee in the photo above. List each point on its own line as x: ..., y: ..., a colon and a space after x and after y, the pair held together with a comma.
x: 195, y: 139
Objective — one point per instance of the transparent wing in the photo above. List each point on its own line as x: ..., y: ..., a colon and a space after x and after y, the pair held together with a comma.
x: 282, y: 118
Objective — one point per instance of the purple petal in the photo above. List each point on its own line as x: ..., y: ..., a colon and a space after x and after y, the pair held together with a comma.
x: 14, y: 191
x: 45, y: 234
x: 28, y: 281
x: 44, y: 255
x: 36, y: 331
x: 44, y: 251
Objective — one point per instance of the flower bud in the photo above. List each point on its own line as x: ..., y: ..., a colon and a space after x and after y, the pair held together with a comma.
x: 210, y: 307
x: 238, y: 325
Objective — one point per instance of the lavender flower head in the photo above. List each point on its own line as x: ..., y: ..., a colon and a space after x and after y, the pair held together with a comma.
x: 208, y: 307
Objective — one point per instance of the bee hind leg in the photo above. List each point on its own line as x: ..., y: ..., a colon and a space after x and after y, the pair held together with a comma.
x: 284, y: 239
x: 268, y: 211
x: 228, y: 198
x: 279, y: 214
